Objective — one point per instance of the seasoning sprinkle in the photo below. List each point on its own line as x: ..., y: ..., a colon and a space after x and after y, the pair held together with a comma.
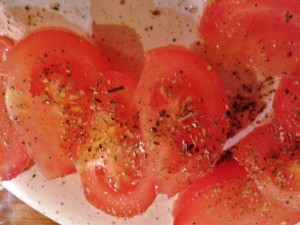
x: 186, y: 116
x: 288, y: 16
x: 115, y: 89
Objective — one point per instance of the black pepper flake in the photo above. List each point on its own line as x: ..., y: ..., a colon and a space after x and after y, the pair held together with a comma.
x: 248, y: 106
x: 101, y: 147
x: 115, y: 89
x: 180, y: 72
x: 266, y: 59
x: 275, y: 155
x: 191, y: 146
x: 162, y: 113
x: 289, y: 54
x: 287, y: 17
x: 149, y: 28
x: 156, y: 143
x: 153, y: 129
x: 97, y: 100
x: 155, y: 12
x: 225, y: 156
x: 55, y: 7
x: 227, y: 114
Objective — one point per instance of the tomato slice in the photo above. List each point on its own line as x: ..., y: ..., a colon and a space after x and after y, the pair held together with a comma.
x: 112, y: 163
x: 51, y: 78
x: 263, y: 35
x: 13, y: 156
x: 273, y: 162
x: 182, y: 111
x: 287, y: 102
x: 228, y: 196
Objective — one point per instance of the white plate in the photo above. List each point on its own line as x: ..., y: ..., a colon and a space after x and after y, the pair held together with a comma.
x: 156, y: 23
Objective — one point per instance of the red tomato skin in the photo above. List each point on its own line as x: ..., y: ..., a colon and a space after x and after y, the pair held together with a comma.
x: 127, y: 204
x: 262, y: 35
x: 112, y: 167
x: 227, y: 196
x: 286, y: 102
x: 166, y: 93
x: 13, y: 156
x: 52, y: 65
x: 273, y: 162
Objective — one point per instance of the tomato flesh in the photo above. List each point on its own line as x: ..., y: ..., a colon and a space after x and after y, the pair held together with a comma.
x: 13, y: 156
x: 228, y: 196
x: 273, y: 162
x: 112, y: 164
x: 287, y: 102
x: 182, y: 111
x: 51, y: 75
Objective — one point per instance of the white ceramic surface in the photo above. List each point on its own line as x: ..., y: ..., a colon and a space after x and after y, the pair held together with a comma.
x: 156, y: 23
